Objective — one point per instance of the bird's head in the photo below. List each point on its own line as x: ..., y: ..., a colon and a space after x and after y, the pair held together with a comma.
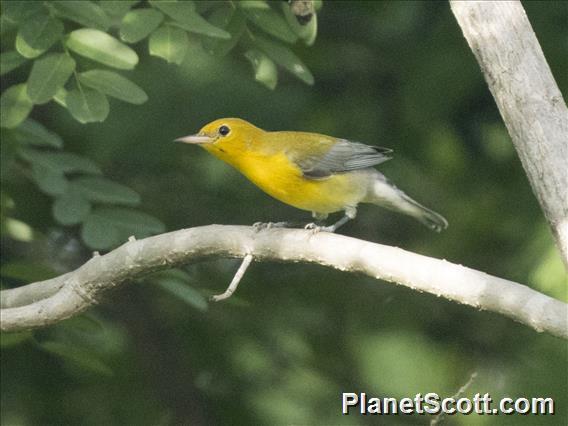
x: 224, y: 136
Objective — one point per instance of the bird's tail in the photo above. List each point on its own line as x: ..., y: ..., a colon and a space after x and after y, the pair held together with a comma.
x: 385, y: 194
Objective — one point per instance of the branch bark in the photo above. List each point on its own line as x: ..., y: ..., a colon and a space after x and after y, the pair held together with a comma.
x: 76, y: 291
x: 515, y: 69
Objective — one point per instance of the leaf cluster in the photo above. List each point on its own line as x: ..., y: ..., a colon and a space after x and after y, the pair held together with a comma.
x: 78, y: 52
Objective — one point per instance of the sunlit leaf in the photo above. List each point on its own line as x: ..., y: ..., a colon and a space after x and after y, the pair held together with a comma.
x: 253, y: 4
x: 285, y: 58
x: 15, y: 105
x: 272, y: 23
x: 184, y: 292
x: 61, y: 97
x: 138, y: 24
x: 169, y: 43
x: 99, y: 189
x: 10, y: 61
x: 113, y: 84
x: 264, y: 68
x: 232, y: 21
x: 83, y: 12
x: 71, y: 208
x: 87, y: 105
x: 48, y: 75
x: 103, y: 48
x: 38, y: 34
x: 17, y: 230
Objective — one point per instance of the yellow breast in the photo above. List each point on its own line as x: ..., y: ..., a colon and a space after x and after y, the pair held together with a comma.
x: 282, y: 179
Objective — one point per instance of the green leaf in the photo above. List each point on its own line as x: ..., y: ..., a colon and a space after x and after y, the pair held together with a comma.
x: 173, y: 7
x: 38, y: 34
x: 80, y: 357
x: 184, y: 292
x: 83, y: 12
x: 99, y: 189
x: 10, y: 61
x: 169, y: 43
x: 15, y: 105
x: 306, y: 32
x: 117, y: 7
x: 107, y: 227
x: 16, y: 12
x: 98, y: 235
x: 8, y: 340
x: 60, y: 162
x: 48, y: 75
x: 232, y: 21
x: 198, y: 25
x: 49, y: 181
x: 87, y: 105
x: 71, y: 208
x: 138, y: 24
x: 61, y: 97
x: 17, y: 230
x: 271, y: 22
x: 33, y: 133
x: 27, y: 272
x: 285, y: 58
x: 113, y: 84
x: 264, y: 68
x: 9, y: 147
x: 253, y: 4
x: 185, y: 16
x: 101, y: 47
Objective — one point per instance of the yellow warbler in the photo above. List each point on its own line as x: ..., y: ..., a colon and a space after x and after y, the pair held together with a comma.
x: 309, y: 171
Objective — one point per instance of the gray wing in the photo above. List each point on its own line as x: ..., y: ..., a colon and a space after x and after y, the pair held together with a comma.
x: 344, y: 156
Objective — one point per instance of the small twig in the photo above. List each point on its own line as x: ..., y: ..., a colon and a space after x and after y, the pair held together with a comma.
x: 236, y: 280
x: 436, y: 420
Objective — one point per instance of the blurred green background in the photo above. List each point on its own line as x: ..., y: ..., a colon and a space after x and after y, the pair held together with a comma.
x: 395, y: 74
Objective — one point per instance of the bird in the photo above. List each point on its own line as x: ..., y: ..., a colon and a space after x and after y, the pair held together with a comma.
x: 310, y: 171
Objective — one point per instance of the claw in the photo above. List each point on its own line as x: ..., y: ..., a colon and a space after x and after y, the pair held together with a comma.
x: 259, y: 226
x: 317, y: 228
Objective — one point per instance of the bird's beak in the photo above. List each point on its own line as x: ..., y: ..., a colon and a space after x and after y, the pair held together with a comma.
x: 195, y: 139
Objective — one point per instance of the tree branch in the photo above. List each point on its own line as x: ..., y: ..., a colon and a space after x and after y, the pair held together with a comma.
x: 76, y: 291
x: 503, y: 42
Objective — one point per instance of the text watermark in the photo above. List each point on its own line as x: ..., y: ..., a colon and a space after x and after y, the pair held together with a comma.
x: 432, y: 403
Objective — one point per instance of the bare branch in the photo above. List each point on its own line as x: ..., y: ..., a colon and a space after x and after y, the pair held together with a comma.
x: 76, y: 291
x: 503, y: 42
x: 236, y: 280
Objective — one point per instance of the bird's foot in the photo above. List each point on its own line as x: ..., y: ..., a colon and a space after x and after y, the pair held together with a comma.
x: 261, y: 226
x: 315, y: 228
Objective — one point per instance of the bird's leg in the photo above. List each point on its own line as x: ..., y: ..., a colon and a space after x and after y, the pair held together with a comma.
x: 350, y: 213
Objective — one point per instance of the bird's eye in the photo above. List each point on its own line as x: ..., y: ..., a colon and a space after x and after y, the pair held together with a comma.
x: 224, y: 130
